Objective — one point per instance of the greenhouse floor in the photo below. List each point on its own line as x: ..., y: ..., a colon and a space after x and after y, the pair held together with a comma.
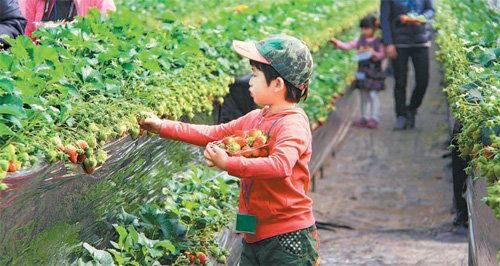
x: 394, y: 188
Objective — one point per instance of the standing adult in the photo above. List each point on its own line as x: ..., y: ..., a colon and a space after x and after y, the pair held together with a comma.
x: 12, y: 22
x: 407, y: 34
x: 59, y: 10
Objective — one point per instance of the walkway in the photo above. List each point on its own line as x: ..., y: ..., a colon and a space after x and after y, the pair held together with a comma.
x: 395, y: 189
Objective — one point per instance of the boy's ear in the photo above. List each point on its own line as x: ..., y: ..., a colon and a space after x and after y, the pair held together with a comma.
x: 279, y: 84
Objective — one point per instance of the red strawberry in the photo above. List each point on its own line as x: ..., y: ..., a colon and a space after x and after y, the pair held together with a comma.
x: 83, y: 144
x: 264, y: 152
x: 259, y: 141
x: 321, y: 121
x: 488, y: 150
x: 335, y: 95
x: 246, y: 154
x: 228, y: 140
x: 315, y: 126
x: 12, y: 167
x: 203, y: 258
x: 255, y: 133
x: 241, y: 141
x: 241, y: 133
x: 256, y: 153
x: 71, y: 151
x: 333, y: 102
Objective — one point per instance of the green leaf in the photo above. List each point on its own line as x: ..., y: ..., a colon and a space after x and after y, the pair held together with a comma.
x: 6, y: 84
x: 101, y: 256
x: 122, y: 233
x: 6, y: 62
x: 167, y: 245
x: 5, y: 131
x: 12, y: 109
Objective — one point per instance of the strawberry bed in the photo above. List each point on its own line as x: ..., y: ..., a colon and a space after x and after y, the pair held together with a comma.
x: 470, y: 55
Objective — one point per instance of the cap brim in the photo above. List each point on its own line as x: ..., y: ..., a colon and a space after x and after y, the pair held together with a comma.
x: 249, y: 50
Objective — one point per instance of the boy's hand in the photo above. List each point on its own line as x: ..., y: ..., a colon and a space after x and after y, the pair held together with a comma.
x: 215, y: 156
x: 152, y: 124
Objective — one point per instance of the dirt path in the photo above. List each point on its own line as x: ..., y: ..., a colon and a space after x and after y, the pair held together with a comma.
x: 395, y: 189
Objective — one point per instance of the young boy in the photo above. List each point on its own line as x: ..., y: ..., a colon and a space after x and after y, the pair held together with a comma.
x: 274, y: 208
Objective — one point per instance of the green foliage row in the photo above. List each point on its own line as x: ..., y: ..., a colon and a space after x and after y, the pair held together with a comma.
x: 470, y: 55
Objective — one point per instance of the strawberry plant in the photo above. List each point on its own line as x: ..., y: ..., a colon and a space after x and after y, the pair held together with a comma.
x: 180, y: 230
x: 470, y: 55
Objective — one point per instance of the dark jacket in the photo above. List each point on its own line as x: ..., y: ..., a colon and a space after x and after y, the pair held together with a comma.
x: 12, y: 22
x: 405, y: 34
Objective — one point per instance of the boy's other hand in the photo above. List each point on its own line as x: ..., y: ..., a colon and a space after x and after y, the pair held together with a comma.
x: 208, y: 161
x: 152, y: 124
x: 333, y: 40
x: 216, y: 156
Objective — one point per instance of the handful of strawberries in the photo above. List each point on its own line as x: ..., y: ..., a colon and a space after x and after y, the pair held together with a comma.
x: 249, y: 144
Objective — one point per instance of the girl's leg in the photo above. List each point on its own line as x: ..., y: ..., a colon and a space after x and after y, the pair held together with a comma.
x: 364, y: 102
x: 375, y: 105
x: 365, y: 97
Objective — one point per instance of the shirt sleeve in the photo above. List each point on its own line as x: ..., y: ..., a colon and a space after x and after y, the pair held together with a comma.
x: 348, y: 46
x: 385, y: 12
x: 291, y: 142
x: 201, y: 135
x: 105, y: 5
x: 30, y: 13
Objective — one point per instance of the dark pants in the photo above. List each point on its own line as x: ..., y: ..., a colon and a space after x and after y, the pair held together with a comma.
x: 459, y: 178
x: 420, y: 59
x: 295, y: 248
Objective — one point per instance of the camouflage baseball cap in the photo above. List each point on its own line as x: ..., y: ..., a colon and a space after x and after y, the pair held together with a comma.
x: 288, y: 55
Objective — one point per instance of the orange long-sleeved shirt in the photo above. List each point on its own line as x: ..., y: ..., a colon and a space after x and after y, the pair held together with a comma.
x: 278, y: 196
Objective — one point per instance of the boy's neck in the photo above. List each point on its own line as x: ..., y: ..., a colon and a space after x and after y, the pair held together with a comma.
x: 278, y: 108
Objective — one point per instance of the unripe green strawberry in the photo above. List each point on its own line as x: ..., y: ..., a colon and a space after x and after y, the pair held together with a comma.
x: 221, y: 259
x: 4, y: 165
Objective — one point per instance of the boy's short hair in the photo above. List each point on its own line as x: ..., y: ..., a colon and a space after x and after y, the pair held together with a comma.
x: 293, y: 94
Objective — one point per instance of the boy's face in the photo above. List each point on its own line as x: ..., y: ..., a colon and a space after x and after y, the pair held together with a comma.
x: 261, y: 93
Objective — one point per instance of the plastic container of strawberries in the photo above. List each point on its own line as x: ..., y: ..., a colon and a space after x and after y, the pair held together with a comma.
x: 243, y: 143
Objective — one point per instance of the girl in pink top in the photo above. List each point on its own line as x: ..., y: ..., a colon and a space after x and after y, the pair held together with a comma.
x: 370, y: 76
x: 59, y: 10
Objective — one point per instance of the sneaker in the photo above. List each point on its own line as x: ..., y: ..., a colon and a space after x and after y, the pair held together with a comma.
x: 400, y: 123
x: 372, y: 123
x: 411, y: 118
x: 361, y: 123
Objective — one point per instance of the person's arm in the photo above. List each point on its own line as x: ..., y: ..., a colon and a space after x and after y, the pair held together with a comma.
x: 385, y: 11
x: 12, y: 22
x: 428, y: 11
x: 30, y: 14
x: 199, y: 135
x: 347, y: 46
x: 291, y: 142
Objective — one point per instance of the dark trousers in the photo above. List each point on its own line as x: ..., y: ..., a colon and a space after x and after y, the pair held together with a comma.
x: 420, y: 60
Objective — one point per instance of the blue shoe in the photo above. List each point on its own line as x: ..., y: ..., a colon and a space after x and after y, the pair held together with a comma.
x: 400, y: 123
